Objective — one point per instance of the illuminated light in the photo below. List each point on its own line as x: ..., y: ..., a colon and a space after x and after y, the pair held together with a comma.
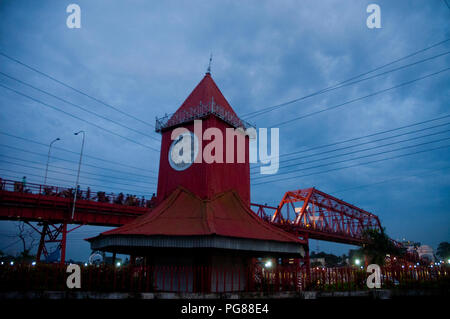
x: 118, y: 264
x: 362, y: 267
x: 268, y: 264
x: 33, y: 263
x: 86, y: 264
x: 357, y: 261
x: 417, y: 264
x: 2, y: 262
x: 448, y: 261
x: 403, y: 266
x: 12, y: 263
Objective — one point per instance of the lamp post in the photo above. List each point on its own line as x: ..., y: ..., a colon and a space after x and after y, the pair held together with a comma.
x: 48, y: 159
x: 78, y: 174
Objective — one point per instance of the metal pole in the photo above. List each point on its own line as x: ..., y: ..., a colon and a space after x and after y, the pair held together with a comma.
x: 48, y: 159
x: 78, y: 174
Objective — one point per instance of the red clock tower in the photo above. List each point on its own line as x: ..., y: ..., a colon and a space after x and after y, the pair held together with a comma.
x: 202, y: 217
x: 207, y: 104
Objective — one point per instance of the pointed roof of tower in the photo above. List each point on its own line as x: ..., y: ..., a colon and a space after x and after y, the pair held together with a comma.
x: 205, y: 92
x: 206, y: 98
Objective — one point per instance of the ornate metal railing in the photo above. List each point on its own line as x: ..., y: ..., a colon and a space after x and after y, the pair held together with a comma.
x: 197, y: 112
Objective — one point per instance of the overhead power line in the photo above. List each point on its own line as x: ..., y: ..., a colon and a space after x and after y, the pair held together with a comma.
x: 271, y: 108
x: 358, y: 151
x: 76, y: 117
x: 448, y: 5
x: 76, y: 162
x: 350, y: 166
x: 365, y: 143
x: 364, y: 136
x: 77, y: 153
x: 68, y: 174
x: 74, y: 89
x: 72, y: 170
x: 429, y: 172
x: 78, y: 106
x: 361, y: 98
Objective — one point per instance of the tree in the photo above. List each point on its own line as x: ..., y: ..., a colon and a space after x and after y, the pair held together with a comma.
x: 378, y: 245
x: 28, y: 241
x: 443, y: 250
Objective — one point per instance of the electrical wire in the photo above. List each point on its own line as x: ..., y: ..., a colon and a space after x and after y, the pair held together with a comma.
x: 350, y: 166
x: 251, y: 114
x: 364, y: 136
x: 433, y: 171
x: 77, y: 117
x: 74, y: 170
x: 77, y: 153
x: 76, y: 162
x: 355, y: 158
x: 81, y: 175
x: 347, y: 83
x: 365, y: 143
x: 74, y: 89
x: 78, y: 106
x: 360, y: 98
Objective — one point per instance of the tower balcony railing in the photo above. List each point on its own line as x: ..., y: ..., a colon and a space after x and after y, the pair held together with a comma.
x: 197, y: 112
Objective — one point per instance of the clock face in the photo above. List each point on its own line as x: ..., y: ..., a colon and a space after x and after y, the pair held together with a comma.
x: 183, y: 151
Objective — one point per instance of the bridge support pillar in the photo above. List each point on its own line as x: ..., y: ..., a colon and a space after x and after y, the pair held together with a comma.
x: 42, y: 242
x: 51, y: 233
x: 63, y: 243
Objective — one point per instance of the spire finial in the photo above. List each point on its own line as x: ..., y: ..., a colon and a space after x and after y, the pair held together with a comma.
x: 208, y: 71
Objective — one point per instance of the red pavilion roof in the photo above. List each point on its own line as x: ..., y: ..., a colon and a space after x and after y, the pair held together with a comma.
x: 185, y: 214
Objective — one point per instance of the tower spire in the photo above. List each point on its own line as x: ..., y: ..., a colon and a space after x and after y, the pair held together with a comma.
x: 208, y: 71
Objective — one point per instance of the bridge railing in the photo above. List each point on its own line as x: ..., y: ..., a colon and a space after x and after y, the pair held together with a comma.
x: 63, y: 192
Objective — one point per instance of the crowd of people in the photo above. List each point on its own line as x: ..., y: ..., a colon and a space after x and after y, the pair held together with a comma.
x: 99, y: 196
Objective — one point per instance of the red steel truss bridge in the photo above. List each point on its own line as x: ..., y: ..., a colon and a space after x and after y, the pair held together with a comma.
x: 317, y: 215
x: 308, y: 213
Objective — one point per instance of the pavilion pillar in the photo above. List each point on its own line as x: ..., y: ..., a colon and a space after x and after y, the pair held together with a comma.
x: 307, y: 261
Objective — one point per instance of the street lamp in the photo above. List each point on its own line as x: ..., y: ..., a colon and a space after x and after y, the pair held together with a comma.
x: 357, y: 262
x: 78, y: 174
x: 48, y: 158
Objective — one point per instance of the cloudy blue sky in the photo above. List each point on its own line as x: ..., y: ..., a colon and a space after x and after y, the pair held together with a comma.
x: 144, y: 58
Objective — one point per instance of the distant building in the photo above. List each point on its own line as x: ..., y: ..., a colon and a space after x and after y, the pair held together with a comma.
x: 426, y: 252
x: 317, y: 261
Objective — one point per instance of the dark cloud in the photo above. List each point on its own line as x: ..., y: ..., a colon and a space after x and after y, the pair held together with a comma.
x: 145, y: 57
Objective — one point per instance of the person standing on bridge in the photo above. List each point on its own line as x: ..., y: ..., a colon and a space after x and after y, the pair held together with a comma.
x: 24, y: 183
